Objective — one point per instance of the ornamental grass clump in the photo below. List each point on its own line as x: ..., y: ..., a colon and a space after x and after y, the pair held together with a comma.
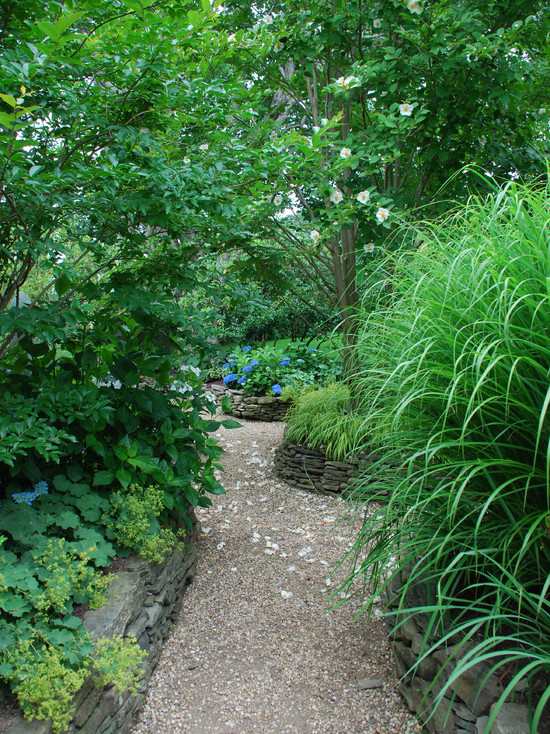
x: 325, y: 419
x: 455, y: 383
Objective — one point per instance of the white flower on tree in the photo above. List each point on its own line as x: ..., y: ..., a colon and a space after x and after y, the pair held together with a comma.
x: 382, y: 214
x: 414, y: 6
x: 278, y: 200
x: 336, y: 196
x: 345, y: 153
x: 406, y: 109
x: 346, y: 81
x: 315, y: 235
x: 363, y: 197
x: 203, y: 147
x: 369, y: 248
x: 377, y: 23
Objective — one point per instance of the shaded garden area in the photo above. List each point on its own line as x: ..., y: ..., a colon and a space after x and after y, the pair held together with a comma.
x: 329, y: 213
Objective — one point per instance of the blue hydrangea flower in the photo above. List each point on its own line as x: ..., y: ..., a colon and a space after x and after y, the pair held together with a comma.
x: 285, y: 362
x: 248, y: 368
x: 276, y: 389
x: 253, y: 363
x: 242, y: 380
x: 247, y: 348
x: 226, y: 365
x: 231, y: 377
x: 28, y: 498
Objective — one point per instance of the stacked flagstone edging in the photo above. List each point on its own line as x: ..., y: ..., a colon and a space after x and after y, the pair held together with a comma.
x: 308, y: 468
x: 143, y: 602
x: 469, y: 700
x: 263, y: 408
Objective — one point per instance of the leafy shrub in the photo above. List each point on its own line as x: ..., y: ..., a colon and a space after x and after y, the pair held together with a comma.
x: 326, y: 419
x: 268, y: 370
x: 456, y: 385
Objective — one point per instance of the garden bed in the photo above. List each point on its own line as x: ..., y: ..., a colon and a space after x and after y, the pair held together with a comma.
x: 250, y: 407
x: 143, y: 602
x: 308, y: 468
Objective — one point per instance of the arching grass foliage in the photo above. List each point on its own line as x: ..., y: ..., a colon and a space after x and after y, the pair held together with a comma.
x: 455, y: 384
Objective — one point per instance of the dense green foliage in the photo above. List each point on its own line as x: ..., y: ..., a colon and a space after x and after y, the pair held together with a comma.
x: 327, y: 419
x: 104, y: 443
x: 455, y: 387
x: 182, y: 176
x: 280, y: 369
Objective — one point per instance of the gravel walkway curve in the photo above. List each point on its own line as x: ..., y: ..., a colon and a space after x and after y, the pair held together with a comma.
x: 255, y: 648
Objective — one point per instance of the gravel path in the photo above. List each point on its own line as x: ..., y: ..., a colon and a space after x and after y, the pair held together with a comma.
x: 256, y: 648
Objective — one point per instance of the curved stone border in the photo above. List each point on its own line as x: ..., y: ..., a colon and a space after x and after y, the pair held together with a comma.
x: 469, y: 699
x: 308, y: 468
x: 265, y: 408
x: 143, y: 602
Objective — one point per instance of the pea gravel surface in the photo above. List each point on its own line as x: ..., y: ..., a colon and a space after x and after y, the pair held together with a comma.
x: 259, y: 645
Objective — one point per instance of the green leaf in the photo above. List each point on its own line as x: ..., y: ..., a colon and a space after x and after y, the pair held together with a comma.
x: 124, y: 477
x: 231, y: 423
x: 13, y: 604
x: 103, y: 478
x: 62, y: 284
x: 9, y: 100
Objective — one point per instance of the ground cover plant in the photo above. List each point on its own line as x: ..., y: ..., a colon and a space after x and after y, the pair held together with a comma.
x: 456, y: 364
x: 279, y: 369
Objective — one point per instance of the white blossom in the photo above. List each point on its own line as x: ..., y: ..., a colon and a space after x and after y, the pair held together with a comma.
x: 278, y: 200
x: 414, y: 6
x: 336, y: 196
x: 377, y: 23
x: 268, y: 19
x: 345, y: 153
x: 369, y: 248
x: 346, y: 81
x: 406, y: 109
x: 382, y: 214
x: 363, y: 197
x: 187, y: 161
x: 231, y: 37
x: 203, y: 147
x: 324, y: 121
x: 315, y: 235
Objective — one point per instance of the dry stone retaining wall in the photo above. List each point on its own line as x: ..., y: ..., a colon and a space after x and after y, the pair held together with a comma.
x: 469, y: 700
x: 143, y: 602
x: 265, y: 408
x: 308, y: 468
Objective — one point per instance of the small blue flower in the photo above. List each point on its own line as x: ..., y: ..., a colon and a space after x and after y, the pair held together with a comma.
x: 231, y: 377
x: 41, y: 488
x: 242, y: 380
x: 226, y: 366
x: 276, y: 389
x: 284, y: 362
x: 26, y: 497
x: 247, y: 348
x: 253, y: 363
x: 248, y: 368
